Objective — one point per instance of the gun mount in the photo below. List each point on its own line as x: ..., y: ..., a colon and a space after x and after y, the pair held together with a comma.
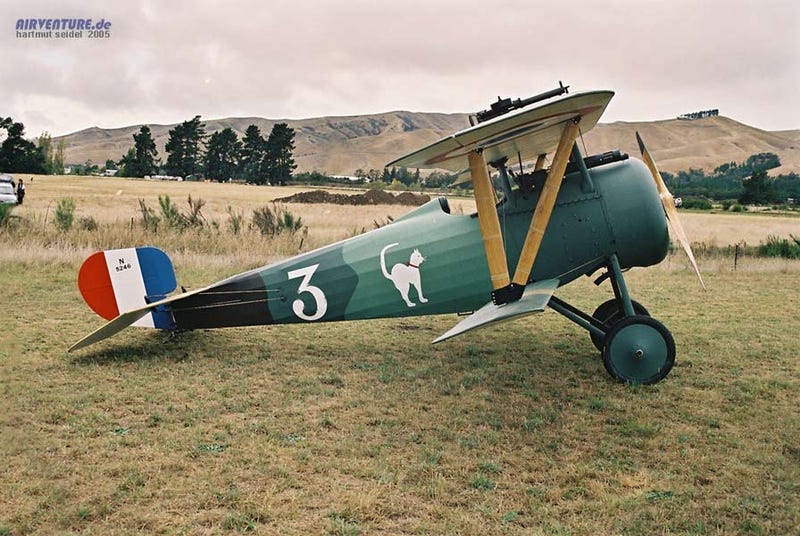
x: 503, y: 106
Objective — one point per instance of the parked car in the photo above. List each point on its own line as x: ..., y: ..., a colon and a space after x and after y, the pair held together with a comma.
x: 5, y: 177
x: 7, y: 194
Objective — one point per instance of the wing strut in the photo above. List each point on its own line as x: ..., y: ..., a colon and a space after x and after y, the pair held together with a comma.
x: 489, y: 221
x: 541, y: 216
x: 547, y: 200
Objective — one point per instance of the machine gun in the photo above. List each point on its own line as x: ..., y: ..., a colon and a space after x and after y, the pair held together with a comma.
x: 503, y: 106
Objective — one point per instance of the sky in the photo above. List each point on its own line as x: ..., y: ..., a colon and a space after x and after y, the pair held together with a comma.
x: 165, y: 62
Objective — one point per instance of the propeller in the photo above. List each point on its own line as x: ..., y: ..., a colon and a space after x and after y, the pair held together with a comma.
x: 669, y: 207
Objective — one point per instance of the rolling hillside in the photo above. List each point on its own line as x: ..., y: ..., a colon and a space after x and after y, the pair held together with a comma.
x: 340, y: 145
x: 702, y: 143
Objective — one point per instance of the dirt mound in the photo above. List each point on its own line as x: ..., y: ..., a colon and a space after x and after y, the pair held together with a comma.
x: 371, y: 197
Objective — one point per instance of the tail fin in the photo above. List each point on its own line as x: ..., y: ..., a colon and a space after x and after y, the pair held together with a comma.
x: 116, y: 281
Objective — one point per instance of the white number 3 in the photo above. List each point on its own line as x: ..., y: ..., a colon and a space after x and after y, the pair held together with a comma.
x: 319, y: 297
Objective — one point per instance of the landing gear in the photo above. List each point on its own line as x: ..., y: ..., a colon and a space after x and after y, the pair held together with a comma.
x: 639, y: 350
x: 636, y: 348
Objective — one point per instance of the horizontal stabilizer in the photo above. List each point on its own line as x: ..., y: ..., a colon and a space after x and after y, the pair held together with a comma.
x: 128, y: 318
x: 534, y: 300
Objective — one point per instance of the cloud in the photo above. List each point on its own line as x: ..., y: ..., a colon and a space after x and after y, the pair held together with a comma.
x: 167, y: 61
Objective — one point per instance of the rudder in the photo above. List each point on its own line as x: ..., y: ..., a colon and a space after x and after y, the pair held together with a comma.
x: 119, y: 280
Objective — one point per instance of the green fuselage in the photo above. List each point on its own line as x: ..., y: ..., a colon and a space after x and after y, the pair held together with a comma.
x: 378, y: 274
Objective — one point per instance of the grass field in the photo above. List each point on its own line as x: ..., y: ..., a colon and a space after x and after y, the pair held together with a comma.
x: 365, y: 428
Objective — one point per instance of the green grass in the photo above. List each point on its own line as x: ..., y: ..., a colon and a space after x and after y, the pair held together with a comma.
x: 364, y: 428
x: 299, y: 429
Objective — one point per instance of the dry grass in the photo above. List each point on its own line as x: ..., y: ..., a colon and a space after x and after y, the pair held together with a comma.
x: 720, y: 229
x: 116, y: 201
x: 365, y: 428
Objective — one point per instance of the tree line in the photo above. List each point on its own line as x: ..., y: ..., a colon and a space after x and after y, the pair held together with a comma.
x: 747, y: 182
x: 404, y: 177
x: 192, y: 153
x: 222, y: 156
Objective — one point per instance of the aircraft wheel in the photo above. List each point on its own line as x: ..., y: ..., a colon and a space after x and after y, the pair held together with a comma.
x: 639, y: 350
x: 609, y: 313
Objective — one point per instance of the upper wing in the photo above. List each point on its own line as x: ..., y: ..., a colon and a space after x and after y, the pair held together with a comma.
x: 527, y: 133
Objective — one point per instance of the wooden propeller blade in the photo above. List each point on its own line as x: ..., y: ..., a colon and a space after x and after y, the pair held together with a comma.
x: 669, y: 207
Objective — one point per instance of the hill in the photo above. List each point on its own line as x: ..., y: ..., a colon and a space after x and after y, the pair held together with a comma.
x: 702, y: 143
x: 341, y: 145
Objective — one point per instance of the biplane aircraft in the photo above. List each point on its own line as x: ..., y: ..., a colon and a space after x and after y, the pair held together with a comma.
x: 552, y: 224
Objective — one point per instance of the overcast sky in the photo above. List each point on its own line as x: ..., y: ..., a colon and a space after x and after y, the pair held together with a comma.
x: 167, y: 61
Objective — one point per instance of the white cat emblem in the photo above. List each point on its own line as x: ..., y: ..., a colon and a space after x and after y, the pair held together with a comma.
x: 404, y: 276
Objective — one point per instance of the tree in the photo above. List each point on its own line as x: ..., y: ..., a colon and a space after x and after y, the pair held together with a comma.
x: 438, y: 179
x: 18, y: 154
x: 758, y: 190
x: 404, y: 176
x: 142, y: 161
x: 58, y: 159
x: 126, y: 163
x: 763, y: 161
x: 252, y: 157
x: 222, y: 157
x: 45, y: 144
x: 185, y: 148
x: 278, y: 161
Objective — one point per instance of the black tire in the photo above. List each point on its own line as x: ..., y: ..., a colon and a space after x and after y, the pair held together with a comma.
x: 639, y: 350
x: 609, y: 313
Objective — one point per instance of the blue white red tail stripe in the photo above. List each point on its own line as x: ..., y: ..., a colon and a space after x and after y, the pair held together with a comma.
x: 119, y: 280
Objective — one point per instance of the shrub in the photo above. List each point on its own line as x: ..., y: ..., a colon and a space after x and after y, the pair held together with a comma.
x: 170, y: 213
x: 174, y: 218
x: 5, y: 214
x: 288, y: 222
x: 87, y: 223
x: 149, y: 218
x: 696, y: 203
x: 195, y: 218
x: 264, y: 220
x: 272, y: 221
x: 780, y: 247
x: 235, y: 220
x: 65, y: 214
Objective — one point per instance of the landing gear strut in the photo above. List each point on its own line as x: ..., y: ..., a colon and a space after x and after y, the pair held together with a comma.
x: 635, y: 347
